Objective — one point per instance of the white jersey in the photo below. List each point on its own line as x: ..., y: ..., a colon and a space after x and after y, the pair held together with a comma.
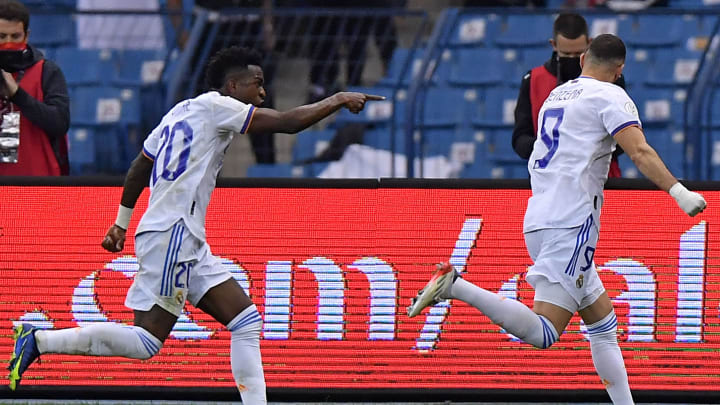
x: 188, y: 147
x: 571, y: 155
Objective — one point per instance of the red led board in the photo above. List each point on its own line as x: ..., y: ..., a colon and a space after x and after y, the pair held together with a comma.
x: 332, y: 271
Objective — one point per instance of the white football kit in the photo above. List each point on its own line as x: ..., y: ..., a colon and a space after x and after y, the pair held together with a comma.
x: 188, y: 147
x: 568, y: 169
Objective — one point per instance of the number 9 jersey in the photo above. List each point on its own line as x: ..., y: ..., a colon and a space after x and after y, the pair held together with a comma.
x: 188, y: 148
x: 571, y: 155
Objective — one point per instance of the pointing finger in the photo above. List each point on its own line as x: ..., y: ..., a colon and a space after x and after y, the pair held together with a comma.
x: 373, y: 97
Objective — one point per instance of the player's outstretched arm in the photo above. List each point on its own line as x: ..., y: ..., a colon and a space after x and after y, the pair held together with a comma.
x: 137, y: 178
x: 632, y: 140
x: 266, y: 120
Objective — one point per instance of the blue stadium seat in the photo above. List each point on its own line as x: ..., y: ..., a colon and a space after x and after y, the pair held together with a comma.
x: 444, y: 106
x: 81, y: 150
x: 656, y: 106
x: 104, y: 106
x: 455, y: 144
x: 674, y: 68
x: 525, y: 30
x: 652, y: 30
x: 531, y: 57
x: 85, y: 66
x: 473, y: 29
x: 275, y: 170
x: 669, y: 146
x: 310, y: 143
x: 496, y: 65
x: 400, y: 56
x: 638, y: 65
x: 138, y: 67
x: 382, y: 138
x: 605, y: 23
x: 496, y: 108
x: 52, y: 30
x: 500, y: 148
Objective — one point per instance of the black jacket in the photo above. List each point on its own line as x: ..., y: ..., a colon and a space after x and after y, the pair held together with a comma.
x: 52, y: 115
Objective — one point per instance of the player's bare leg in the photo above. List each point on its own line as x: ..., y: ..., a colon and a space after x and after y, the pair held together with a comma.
x: 229, y: 305
x: 602, y: 328
x: 515, y: 317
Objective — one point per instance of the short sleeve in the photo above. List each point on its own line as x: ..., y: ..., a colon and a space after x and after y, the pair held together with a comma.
x: 152, y: 143
x: 618, y: 112
x: 232, y: 115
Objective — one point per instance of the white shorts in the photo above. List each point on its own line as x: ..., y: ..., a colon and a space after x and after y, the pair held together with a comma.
x: 175, y: 266
x: 564, y: 258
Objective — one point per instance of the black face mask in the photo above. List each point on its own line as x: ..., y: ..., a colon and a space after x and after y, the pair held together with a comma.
x: 12, y: 61
x: 568, y: 68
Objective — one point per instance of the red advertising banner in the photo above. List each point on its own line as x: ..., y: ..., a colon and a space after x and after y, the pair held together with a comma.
x: 332, y: 271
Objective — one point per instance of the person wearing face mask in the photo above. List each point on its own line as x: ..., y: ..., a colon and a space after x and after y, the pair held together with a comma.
x: 570, y: 39
x: 34, y: 102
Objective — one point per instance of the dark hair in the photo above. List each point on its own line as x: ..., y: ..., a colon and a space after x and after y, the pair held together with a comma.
x: 13, y: 10
x: 225, y: 61
x: 570, y: 25
x: 607, y: 48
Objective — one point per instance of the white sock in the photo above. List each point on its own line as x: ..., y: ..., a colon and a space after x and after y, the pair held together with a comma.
x: 608, y: 359
x: 245, y: 356
x: 511, y: 315
x: 101, y: 339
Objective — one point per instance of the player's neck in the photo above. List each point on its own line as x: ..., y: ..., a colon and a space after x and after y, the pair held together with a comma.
x: 598, y: 75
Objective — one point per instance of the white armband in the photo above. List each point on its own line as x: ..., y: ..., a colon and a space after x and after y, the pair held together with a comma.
x: 123, y: 217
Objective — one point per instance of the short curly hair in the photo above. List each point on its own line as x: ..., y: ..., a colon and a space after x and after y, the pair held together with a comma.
x: 226, y: 60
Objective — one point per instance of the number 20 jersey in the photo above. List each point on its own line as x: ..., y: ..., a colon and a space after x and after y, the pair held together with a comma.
x: 188, y: 147
x: 571, y: 155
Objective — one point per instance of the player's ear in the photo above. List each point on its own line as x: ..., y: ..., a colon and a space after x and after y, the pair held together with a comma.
x: 582, y: 60
x: 553, y: 44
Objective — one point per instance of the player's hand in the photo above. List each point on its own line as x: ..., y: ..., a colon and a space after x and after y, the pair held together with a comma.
x: 114, y: 239
x: 355, y: 102
x: 691, y: 202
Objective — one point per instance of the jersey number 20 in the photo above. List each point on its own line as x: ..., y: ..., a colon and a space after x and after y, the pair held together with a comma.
x: 168, y: 135
x: 553, y: 142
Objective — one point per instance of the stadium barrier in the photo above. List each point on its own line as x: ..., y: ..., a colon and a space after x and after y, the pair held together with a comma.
x: 332, y: 265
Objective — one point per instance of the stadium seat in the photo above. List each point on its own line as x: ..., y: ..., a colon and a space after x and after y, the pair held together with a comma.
x: 674, y: 68
x: 85, y: 66
x: 500, y: 147
x: 605, y: 24
x: 284, y: 170
x: 473, y: 29
x: 52, y: 30
x: 496, y: 108
x: 650, y: 30
x: 657, y: 106
x: 138, y: 67
x: 531, y: 57
x: 638, y: 65
x: 309, y: 143
x: 497, y: 66
x: 104, y: 105
x: 81, y: 150
x: 444, y: 106
x: 382, y: 138
x: 525, y: 31
x: 669, y: 146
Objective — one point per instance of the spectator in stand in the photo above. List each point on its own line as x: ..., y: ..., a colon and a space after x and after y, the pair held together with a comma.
x: 570, y: 39
x: 331, y: 32
x: 34, y: 103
